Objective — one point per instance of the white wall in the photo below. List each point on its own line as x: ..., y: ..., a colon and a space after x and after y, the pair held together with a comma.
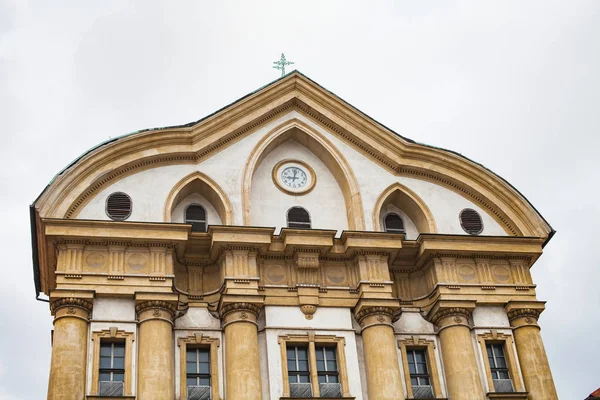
x: 325, y: 203
x: 326, y: 321
x: 150, y: 188
x: 108, y: 313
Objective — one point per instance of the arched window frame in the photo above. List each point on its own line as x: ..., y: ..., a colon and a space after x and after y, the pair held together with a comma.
x: 185, y: 219
x: 394, y: 230
x: 287, y: 217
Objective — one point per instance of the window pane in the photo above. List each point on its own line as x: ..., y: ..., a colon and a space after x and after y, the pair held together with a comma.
x: 320, y: 365
x: 414, y: 381
x: 424, y: 381
x: 204, y: 381
x: 104, y: 377
x: 191, y: 368
x: 304, y: 379
x: 204, y: 356
x: 204, y: 368
x: 420, y: 356
x: 498, y: 350
x: 501, y: 362
x: 492, y: 362
x: 330, y: 354
x: 331, y: 366
x: 411, y: 368
x: 105, y: 349
x: 322, y: 379
x: 118, y: 377
x: 489, y: 350
x: 291, y: 365
x: 302, y: 353
x: 104, y: 362
x: 320, y: 354
x: 191, y: 355
x: 503, y: 374
x: 118, y: 363
x: 119, y: 349
x: 293, y: 378
x: 333, y: 379
x: 291, y: 355
x: 302, y: 365
x: 422, y: 368
x: 191, y: 382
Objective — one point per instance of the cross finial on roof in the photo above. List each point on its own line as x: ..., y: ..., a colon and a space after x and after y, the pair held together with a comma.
x: 281, y: 64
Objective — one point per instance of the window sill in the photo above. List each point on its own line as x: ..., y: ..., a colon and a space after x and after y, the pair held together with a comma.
x: 507, y: 395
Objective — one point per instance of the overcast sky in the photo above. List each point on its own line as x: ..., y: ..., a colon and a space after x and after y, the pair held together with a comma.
x: 511, y: 84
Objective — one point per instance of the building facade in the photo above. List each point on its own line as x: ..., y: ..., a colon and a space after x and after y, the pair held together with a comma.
x: 288, y: 246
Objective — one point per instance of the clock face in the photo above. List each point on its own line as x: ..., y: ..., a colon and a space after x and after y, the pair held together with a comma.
x: 294, y: 177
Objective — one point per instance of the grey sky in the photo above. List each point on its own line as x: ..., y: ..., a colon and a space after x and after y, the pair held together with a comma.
x: 512, y: 84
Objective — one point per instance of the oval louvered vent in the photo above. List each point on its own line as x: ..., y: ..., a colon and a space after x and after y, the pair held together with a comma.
x: 393, y: 223
x: 298, y: 218
x: 118, y: 206
x: 471, y: 222
x: 196, y: 215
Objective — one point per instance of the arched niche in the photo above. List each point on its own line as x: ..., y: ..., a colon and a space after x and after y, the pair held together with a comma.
x: 400, y: 199
x: 313, y: 140
x: 199, y: 188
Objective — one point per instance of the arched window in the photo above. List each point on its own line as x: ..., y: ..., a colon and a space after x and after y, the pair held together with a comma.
x: 298, y: 217
x: 196, y: 215
x: 393, y: 223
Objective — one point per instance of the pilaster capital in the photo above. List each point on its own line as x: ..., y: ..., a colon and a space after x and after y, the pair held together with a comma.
x: 524, y: 313
x: 71, y: 306
x: 377, y: 315
x: 240, y: 312
x: 155, y: 309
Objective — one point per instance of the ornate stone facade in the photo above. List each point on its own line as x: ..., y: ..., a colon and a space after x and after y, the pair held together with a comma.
x: 233, y: 302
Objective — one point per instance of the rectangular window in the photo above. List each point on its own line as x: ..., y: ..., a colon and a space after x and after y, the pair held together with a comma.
x: 198, y: 367
x: 297, y: 362
x: 327, y: 371
x: 499, y: 367
x: 419, y: 374
x: 495, y: 353
x: 112, y: 368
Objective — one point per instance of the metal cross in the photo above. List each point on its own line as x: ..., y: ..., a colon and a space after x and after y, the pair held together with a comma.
x: 281, y: 64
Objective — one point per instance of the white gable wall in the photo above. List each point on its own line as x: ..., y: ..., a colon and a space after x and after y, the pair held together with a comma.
x: 149, y: 188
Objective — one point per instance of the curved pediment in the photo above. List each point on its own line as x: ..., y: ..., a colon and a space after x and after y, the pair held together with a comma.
x: 193, y: 143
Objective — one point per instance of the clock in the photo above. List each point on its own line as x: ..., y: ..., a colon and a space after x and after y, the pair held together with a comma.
x: 294, y: 177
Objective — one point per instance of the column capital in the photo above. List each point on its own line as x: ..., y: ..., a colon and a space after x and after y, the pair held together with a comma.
x: 444, y: 317
x: 240, y: 312
x: 71, y: 303
x: 447, y: 313
x: 155, y: 309
x: 378, y: 315
x: 524, y: 313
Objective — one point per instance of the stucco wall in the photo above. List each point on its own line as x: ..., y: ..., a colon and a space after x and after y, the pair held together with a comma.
x: 149, y: 188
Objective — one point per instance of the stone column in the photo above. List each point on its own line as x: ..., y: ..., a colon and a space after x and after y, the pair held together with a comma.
x: 155, y: 350
x: 381, y: 360
x: 69, y: 348
x: 242, y: 363
x: 460, y: 365
x: 531, y: 353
